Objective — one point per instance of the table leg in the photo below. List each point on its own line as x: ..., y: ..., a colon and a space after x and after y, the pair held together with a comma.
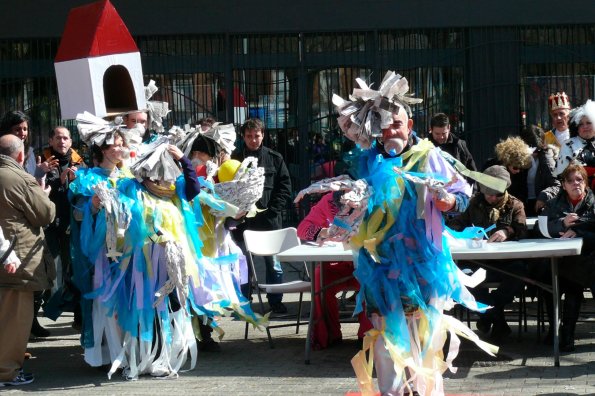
x: 556, y: 296
x: 311, y: 265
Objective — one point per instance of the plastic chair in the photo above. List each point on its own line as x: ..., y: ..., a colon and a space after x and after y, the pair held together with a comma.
x: 269, y: 243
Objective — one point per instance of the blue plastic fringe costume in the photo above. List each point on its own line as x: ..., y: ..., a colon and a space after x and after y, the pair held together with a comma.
x: 403, y: 262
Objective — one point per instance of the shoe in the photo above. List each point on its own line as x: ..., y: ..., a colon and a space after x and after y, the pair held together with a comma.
x: 38, y: 330
x: 484, y: 324
x: 20, y: 379
x: 24, y: 374
x: 159, y: 371
x: 209, y: 345
x: 549, y: 338
x: 567, y: 338
x: 77, y: 326
x: 500, y: 331
x: 278, y: 308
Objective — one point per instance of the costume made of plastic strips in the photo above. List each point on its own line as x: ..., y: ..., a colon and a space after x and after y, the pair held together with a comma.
x: 214, y: 205
x: 403, y: 261
x: 91, y: 266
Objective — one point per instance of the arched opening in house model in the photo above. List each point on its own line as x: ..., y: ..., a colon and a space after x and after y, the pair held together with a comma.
x: 118, y: 90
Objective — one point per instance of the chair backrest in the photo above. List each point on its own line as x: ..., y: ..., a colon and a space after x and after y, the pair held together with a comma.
x: 269, y: 243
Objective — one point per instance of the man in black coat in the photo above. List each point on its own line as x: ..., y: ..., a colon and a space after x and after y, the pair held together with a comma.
x: 441, y: 137
x: 275, y: 196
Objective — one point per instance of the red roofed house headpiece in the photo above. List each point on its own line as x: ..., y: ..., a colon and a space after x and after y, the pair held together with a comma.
x: 98, y: 66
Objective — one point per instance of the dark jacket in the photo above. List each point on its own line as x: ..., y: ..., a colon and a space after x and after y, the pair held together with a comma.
x: 512, y: 217
x: 457, y: 148
x: 579, y: 269
x: 276, y: 193
x: 24, y: 210
x: 556, y: 209
x: 59, y: 192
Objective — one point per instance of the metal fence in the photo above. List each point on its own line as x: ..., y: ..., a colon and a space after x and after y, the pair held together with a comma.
x: 483, y: 78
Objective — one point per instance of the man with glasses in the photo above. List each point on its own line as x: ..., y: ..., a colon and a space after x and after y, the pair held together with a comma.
x: 489, y: 207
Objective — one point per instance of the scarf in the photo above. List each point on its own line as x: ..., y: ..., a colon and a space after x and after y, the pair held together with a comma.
x: 159, y: 191
x: 496, y: 209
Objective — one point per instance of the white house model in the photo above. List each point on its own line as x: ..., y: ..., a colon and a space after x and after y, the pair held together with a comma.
x: 98, y: 66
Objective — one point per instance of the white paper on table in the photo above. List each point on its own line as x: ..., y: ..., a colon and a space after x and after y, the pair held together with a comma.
x: 542, y: 221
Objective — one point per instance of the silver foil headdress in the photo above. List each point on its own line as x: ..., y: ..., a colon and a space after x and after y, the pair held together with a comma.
x: 367, y: 112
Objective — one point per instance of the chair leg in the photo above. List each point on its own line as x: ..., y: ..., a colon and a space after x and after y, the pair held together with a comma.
x: 271, y: 343
x: 299, y: 314
x: 250, y: 289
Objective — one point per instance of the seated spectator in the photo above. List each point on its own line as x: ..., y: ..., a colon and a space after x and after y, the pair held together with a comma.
x: 485, y: 208
x: 540, y: 175
x: 571, y: 214
x: 514, y: 154
x: 338, y: 276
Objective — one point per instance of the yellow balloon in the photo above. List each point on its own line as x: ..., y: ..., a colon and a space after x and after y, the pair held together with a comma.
x: 227, y: 170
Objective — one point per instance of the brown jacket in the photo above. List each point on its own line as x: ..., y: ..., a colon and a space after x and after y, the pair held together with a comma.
x: 511, y: 218
x: 24, y: 210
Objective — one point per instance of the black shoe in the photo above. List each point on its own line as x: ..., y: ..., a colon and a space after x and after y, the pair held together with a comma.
x: 500, y: 331
x: 567, y: 339
x: 549, y: 338
x: 484, y: 324
x: 278, y: 308
x: 209, y: 345
x: 37, y: 330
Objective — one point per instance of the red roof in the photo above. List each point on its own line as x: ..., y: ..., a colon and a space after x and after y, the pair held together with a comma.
x: 93, y: 30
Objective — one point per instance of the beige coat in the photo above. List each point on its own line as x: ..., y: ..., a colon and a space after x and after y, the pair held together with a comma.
x: 24, y: 210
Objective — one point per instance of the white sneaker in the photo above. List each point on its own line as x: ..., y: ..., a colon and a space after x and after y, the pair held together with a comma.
x: 159, y: 371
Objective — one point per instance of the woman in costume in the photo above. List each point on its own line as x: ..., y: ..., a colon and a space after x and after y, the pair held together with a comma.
x: 393, y: 221
x: 580, y: 148
x: 210, y: 151
x: 100, y: 334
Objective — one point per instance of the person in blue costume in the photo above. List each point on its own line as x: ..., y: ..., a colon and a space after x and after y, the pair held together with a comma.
x: 210, y: 150
x: 403, y: 262
x: 90, y: 265
x: 140, y: 284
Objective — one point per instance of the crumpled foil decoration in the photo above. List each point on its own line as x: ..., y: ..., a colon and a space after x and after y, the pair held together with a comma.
x: 117, y: 218
x: 155, y: 162
x: 354, y: 204
x: 96, y: 130
x: 246, y: 187
x: 157, y: 110
x: 367, y: 112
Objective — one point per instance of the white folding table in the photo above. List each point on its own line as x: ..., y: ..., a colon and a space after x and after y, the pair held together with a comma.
x: 524, y: 249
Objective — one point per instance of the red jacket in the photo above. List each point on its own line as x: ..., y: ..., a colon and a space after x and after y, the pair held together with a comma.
x: 321, y: 215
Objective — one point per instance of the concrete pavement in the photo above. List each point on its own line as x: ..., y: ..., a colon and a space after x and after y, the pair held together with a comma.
x: 250, y: 367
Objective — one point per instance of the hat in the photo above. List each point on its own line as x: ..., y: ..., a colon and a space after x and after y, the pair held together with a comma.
x: 499, y: 172
x: 557, y: 101
x: 205, y: 145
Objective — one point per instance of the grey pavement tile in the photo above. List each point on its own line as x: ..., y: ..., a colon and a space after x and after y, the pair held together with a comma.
x: 250, y: 367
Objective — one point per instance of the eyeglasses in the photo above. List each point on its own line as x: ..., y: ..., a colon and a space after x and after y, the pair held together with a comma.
x: 579, y: 180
